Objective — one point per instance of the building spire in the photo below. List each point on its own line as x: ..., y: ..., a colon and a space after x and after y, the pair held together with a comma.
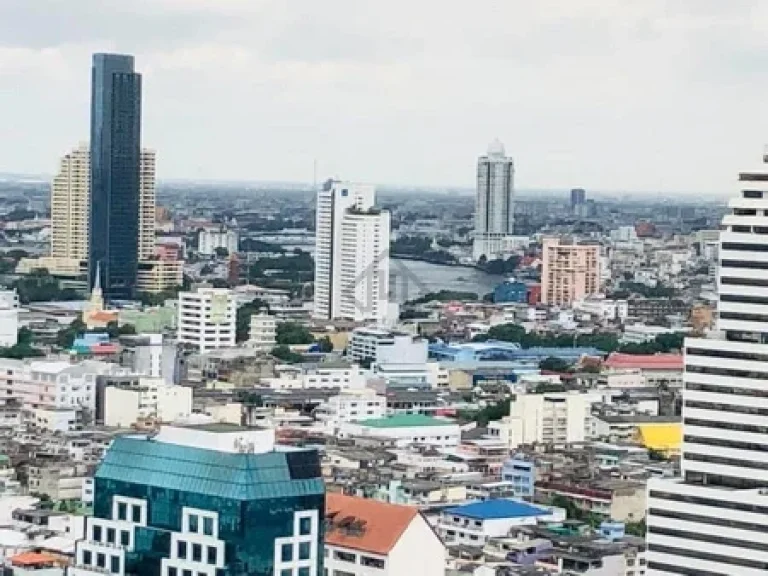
x: 96, y: 291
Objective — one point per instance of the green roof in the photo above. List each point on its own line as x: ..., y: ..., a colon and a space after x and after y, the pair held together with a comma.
x: 403, y: 421
x: 235, y: 476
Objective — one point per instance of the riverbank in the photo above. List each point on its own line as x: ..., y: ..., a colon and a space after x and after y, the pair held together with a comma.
x: 412, y: 278
x: 415, y: 258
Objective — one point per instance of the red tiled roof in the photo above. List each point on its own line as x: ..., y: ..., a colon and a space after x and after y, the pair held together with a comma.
x: 32, y: 559
x: 379, y: 525
x: 645, y: 361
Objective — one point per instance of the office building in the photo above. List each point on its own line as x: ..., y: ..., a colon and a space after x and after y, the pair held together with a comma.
x: 206, y: 318
x: 494, y: 206
x: 211, y: 239
x: 351, y: 255
x: 713, y: 519
x: 70, y: 208
x: 215, y: 500
x: 115, y: 174
x: 366, y: 537
x: 570, y: 271
x: 70, y: 198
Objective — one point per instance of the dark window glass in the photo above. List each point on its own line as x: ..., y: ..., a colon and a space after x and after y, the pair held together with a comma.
x: 181, y: 549
x: 193, y: 527
x: 97, y: 533
x: 197, y: 553
x: 304, y: 550
x: 114, y: 564
x: 122, y: 511
x: 286, y: 553
x: 208, y: 526
x: 305, y: 526
x: 212, y: 554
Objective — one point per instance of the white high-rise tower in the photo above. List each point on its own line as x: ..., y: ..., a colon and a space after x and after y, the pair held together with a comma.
x: 352, y: 253
x: 714, y: 519
x: 494, y: 208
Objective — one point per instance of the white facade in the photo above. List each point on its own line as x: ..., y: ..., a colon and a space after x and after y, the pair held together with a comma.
x: 9, y: 318
x: 551, y: 418
x: 126, y: 405
x: 263, y: 331
x: 603, y: 308
x: 640, y: 333
x: 350, y: 408
x: 147, y: 204
x: 209, y: 239
x: 439, y: 435
x: 494, y: 206
x: 207, y: 318
x: 382, y: 346
x: 351, y: 254
x: 324, y: 375
x: 714, y: 520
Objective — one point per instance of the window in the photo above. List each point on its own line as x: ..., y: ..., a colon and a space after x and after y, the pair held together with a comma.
x: 97, y: 533
x: 286, y: 572
x: 286, y: 552
x: 122, y: 511
x: 304, y: 571
x: 187, y: 573
x: 111, y: 535
x: 172, y: 571
x: 305, y: 526
x: 136, y: 512
x: 304, y: 550
x: 372, y: 562
x: 344, y: 556
x: 101, y: 560
x: 197, y: 553
x: 208, y: 526
x: 114, y: 564
x: 193, y: 523
x: 125, y: 538
x: 212, y: 554
x: 181, y: 549
x: 87, y: 557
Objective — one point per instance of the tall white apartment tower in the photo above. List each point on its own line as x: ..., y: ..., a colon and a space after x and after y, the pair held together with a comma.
x: 494, y: 207
x: 70, y: 200
x: 352, y: 253
x: 70, y: 193
x: 207, y: 318
x: 714, y: 519
x: 147, y: 204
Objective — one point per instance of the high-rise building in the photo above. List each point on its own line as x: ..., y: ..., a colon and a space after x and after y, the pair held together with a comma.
x: 115, y: 173
x: 147, y: 204
x: 215, y: 499
x: 494, y: 207
x: 207, y: 318
x: 569, y: 272
x: 70, y: 205
x: 70, y: 198
x: 714, y: 518
x: 352, y: 253
x: 578, y: 197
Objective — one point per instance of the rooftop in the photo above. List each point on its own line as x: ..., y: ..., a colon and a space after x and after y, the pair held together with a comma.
x: 220, y: 427
x: 405, y: 421
x: 365, y: 524
x: 645, y: 361
x: 499, y: 508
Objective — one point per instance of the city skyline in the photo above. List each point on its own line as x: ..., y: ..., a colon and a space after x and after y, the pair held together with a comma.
x: 569, y: 111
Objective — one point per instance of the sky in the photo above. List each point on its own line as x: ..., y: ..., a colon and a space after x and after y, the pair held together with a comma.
x: 613, y: 95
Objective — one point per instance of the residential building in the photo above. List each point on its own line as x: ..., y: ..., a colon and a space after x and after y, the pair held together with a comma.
x: 263, y: 331
x: 214, y: 499
x: 207, y: 318
x: 494, y: 206
x: 406, y: 429
x: 382, y: 346
x: 550, y: 418
x: 151, y: 355
x: 613, y: 499
x: 713, y: 519
x: 474, y: 524
x: 58, y: 479
x: 211, y: 239
x: 350, y: 408
x: 367, y: 537
x: 147, y: 204
x: 351, y: 254
x: 115, y: 174
x: 146, y: 399
x: 9, y: 318
x: 660, y: 433
x: 341, y: 375
x: 656, y: 369
x: 70, y: 198
x: 641, y: 333
x: 156, y: 276
x: 521, y: 472
x: 570, y: 271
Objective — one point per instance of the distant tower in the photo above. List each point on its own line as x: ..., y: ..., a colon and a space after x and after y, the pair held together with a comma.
x: 494, y: 207
x: 70, y: 196
x: 147, y: 204
x: 578, y: 198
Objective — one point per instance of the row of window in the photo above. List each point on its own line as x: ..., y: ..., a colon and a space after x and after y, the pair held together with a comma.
x: 111, y: 536
x: 727, y: 408
x: 717, y: 389
x: 352, y: 559
x: 287, y: 553
x: 716, y: 520
x: 728, y: 354
x: 173, y: 571
x: 708, y: 556
x: 711, y: 370
x: 99, y: 560
x: 703, y: 501
x: 725, y: 425
x: 206, y: 525
x: 738, y: 462
x: 194, y: 552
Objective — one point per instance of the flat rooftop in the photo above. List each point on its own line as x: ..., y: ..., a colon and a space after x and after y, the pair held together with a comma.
x: 221, y: 428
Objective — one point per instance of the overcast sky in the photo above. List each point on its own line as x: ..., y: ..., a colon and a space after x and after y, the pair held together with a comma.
x: 602, y: 94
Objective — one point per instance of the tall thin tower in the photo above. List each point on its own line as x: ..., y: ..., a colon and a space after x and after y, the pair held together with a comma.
x: 494, y: 207
x: 115, y: 174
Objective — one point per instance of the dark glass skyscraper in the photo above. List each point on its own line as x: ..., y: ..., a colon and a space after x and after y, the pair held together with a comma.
x: 115, y: 163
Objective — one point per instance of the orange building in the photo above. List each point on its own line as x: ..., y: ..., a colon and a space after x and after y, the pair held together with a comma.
x: 569, y: 272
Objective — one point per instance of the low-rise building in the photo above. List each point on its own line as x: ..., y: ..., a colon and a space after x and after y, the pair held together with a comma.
x: 350, y: 408
x: 621, y: 500
x: 406, y: 429
x: 262, y: 333
x: 657, y: 369
x: 382, y: 346
x: 146, y: 399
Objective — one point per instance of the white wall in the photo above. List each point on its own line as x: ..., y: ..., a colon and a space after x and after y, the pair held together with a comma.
x: 418, y: 551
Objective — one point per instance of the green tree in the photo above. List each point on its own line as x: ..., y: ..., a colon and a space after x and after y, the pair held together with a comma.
x: 243, y: 318
x: 66, y: 336
x: 285, y: 354
x: 289, y: 333
x: 221, y: 252
x: 325, y: 344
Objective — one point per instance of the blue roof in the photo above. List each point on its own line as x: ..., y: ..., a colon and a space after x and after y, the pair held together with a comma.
x: 221, y: 474
x: 494, y: 509
x: 509, y: 351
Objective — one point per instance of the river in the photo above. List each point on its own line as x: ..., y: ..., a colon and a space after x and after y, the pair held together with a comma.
x: 410, y: 279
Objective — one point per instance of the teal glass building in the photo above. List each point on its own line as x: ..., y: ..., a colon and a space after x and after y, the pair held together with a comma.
x: 229, y: 505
